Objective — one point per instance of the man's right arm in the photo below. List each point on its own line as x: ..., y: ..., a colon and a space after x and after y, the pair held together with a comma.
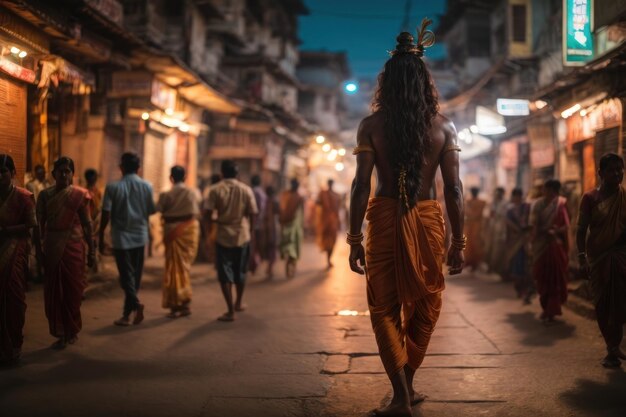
x: 453, y: 193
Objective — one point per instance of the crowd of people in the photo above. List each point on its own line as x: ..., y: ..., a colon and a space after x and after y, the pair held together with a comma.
x: 54, y: 231
x: 529, y: 243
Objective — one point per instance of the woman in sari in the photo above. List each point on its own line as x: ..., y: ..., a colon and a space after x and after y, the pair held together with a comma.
x: 17, y: 217
x: 268, y: 231
x: 516, y: 246
x: 550, y: 245
x: 291, y: 219
x: 603, y: 253
x: 65, y: 224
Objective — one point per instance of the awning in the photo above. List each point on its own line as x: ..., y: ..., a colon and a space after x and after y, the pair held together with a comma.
x: 189, y: 84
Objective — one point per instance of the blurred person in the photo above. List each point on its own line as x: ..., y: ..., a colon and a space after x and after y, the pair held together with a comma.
x: 65, y: 227
x: 406, y: 140
x: 39, y: 182
x: 516, y: 245
x: 128, y: 204
x: 474, y: 219
x: 268, y: 231
x: 550, y: 225
x: 17, y: 218
x: 210, y: 229
x: 602, y: 253
x: 261, y: 200
x: 179, y: 211
x: 236, y: 209
x: 95, y: 206
x: 291, y: 227
x: 328, y: 223
x: 497, y: 233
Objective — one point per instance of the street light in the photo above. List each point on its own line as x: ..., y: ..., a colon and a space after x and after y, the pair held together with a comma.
x: 332, y: 155
x: 145, y: 115
x: 342, y: 152
x: 351, y: 87
x: 326, y: 147
x: 320, y: 139
x: 339, y: 166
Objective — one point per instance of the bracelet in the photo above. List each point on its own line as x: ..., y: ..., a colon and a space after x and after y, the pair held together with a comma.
x: 354, y: 239
x: 459, y: 243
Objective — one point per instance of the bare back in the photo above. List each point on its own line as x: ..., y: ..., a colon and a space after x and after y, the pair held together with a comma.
x: 372, y: 133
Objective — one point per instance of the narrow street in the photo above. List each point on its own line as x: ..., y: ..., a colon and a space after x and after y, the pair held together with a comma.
x: 289, y: 354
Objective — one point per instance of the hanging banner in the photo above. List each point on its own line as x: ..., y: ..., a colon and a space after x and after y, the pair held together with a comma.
x: 577, y: 32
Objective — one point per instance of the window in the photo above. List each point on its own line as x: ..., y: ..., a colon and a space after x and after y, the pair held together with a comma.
x: 518, y: 22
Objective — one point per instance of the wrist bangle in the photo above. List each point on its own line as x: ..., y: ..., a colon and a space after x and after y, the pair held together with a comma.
x: 354, y: 239
x: 459, y: 243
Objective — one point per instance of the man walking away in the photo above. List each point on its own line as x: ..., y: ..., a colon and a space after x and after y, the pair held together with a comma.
x: 179, y: 209
x: 328, y: 222
x: 474, y: 214
x: 407, y: 140
x: 127, y: 204
x: 236, y: 212
x: 603, y: 253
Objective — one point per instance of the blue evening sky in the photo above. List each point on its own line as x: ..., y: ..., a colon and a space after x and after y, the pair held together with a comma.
x: 365, y: 29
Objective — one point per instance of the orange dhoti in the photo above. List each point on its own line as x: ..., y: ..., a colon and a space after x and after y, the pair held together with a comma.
x: 404, y: 257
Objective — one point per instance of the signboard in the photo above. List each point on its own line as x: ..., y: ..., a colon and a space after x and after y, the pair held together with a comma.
x: 541, y: 145
x: 19, y: 72
x: 512, y: 107
x: 577, y: 32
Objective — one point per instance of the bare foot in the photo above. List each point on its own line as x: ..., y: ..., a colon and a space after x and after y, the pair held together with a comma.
x: 72, y: 340
x: 241, y: 307
x: 59, y: 344
x: 394, y: 410
x: 416, y: 397
x: 227, y: 317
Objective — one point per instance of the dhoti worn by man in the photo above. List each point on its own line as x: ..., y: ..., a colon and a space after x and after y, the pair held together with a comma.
x: 180, y: 208
x: 404, y: 257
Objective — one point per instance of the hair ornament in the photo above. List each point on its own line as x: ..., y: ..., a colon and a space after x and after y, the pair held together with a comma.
x: 425, y: 39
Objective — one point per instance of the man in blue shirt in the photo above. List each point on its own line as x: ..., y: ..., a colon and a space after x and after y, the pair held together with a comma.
x: 127, y: 204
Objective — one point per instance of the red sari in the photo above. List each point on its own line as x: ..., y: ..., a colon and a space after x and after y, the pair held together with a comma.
x: 64, y: 254
x: 17, y: 209
x: 550, y: 251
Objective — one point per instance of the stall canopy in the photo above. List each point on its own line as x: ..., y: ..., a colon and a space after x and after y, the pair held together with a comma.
x: 190, y: 86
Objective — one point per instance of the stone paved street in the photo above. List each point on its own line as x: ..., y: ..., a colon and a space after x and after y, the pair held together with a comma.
x: 289, y: 354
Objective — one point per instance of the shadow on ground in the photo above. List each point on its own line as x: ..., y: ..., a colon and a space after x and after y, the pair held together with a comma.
x: 606, y: 399
x: 537, y: 333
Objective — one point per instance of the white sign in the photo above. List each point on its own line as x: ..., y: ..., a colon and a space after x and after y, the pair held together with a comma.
x: 512, y: 107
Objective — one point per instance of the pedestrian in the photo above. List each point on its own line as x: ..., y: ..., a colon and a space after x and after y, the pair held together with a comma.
x: 65, y: 227
x: 95, y: 206
x: 39, y: 182
x: 406, y: 140
x: 17, y: 218
x: 603, y: 252
x: 268, y: 236
x: 128, y: 204
x: 236, y: 209
x: 179, y: 210
x: 497, y: 234
x: 261, y: 199
x: 474, y: 218
x: 550, y: 223
x: 516, y: 245
x: 291, y: 220
x: 209, y: 230
x: 328, y: 223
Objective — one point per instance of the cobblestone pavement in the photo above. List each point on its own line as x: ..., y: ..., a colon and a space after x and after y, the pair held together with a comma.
x: 290, y: 354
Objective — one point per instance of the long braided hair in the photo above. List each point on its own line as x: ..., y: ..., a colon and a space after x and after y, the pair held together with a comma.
x: 408, y: 100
